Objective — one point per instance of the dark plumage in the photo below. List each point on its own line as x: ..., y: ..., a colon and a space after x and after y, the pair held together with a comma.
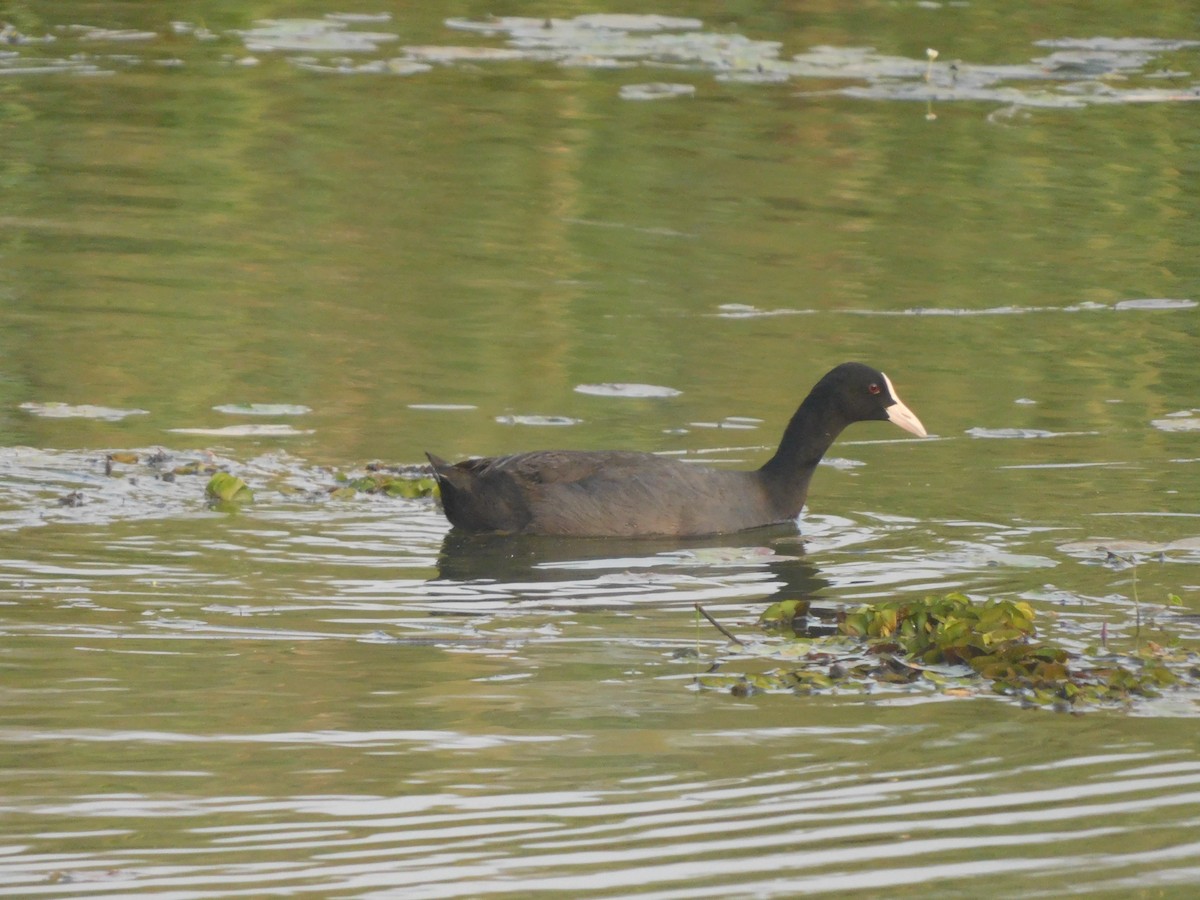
x: 620, y: 493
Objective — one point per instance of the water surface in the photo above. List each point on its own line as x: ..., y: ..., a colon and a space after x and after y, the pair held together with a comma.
x: 291, y: 241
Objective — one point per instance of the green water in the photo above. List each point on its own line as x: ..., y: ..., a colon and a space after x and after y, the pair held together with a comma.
x: 322, y: 696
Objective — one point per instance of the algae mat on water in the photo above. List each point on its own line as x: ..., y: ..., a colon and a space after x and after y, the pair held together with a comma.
x: 955, y: 645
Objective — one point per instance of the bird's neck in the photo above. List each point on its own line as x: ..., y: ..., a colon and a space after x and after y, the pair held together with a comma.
x: 810, y: 433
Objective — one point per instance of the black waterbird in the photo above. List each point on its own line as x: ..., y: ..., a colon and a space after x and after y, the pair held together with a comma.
x: 613, y: 493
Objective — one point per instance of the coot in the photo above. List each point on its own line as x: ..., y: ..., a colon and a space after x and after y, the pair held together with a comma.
x: 621, y: 493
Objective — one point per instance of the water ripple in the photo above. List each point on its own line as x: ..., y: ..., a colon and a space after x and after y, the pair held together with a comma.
x: 830, y: 827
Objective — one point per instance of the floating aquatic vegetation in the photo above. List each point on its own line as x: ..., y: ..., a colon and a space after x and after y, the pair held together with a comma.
x: 355, y: 18
x: 1099, y: 549
x: 17, y: 62
x: 199, y: 32
x: 1088, y: 306
x: 80, y: 411
x: 407, y: 67
x: 245, y: 431
x: 1183, y: 413
x: 683, y: 43
x: 1070, y: 465
x: 1178, y: 422
x: 344, y: 66
x: 736, y: 423
x: 405, y: 482
x: 313, y: 35
x: 658, y: 231
x: 40, y: 487
x: 1124, y: 45
x: 537, y: 420
x: 450, y: 55
x: 196, y: 467
x: 755, y: 76
x: 891, y: 78
x: 1020, y: 433
x: 657, y: 90
x: 524, y: 26
x: 952, y: 645
x: 837, y: 462
x: 609, y: 40
x: 626, y: 390
x: 1155, y: 303
x: 747, y: 311
x: 263, y: 409
x: 93, y: 33
x: 1074, y: 73
x: 12, y: 37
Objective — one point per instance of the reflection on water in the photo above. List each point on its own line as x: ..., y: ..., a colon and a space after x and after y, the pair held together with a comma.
x: 582, y: 570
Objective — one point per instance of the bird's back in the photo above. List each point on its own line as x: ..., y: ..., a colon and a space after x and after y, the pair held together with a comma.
x: 582, y: 493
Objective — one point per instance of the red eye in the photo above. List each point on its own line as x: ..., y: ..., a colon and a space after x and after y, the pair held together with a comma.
x: 873, y: 389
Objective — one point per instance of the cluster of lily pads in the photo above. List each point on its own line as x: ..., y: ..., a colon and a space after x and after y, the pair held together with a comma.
x: 951, y: 644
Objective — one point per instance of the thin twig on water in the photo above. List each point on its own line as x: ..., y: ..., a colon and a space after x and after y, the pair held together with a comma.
x: 715, y: 624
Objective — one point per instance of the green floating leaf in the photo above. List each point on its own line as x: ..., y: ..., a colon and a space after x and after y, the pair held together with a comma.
x: 228, y: 489
x: 783, y: 613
